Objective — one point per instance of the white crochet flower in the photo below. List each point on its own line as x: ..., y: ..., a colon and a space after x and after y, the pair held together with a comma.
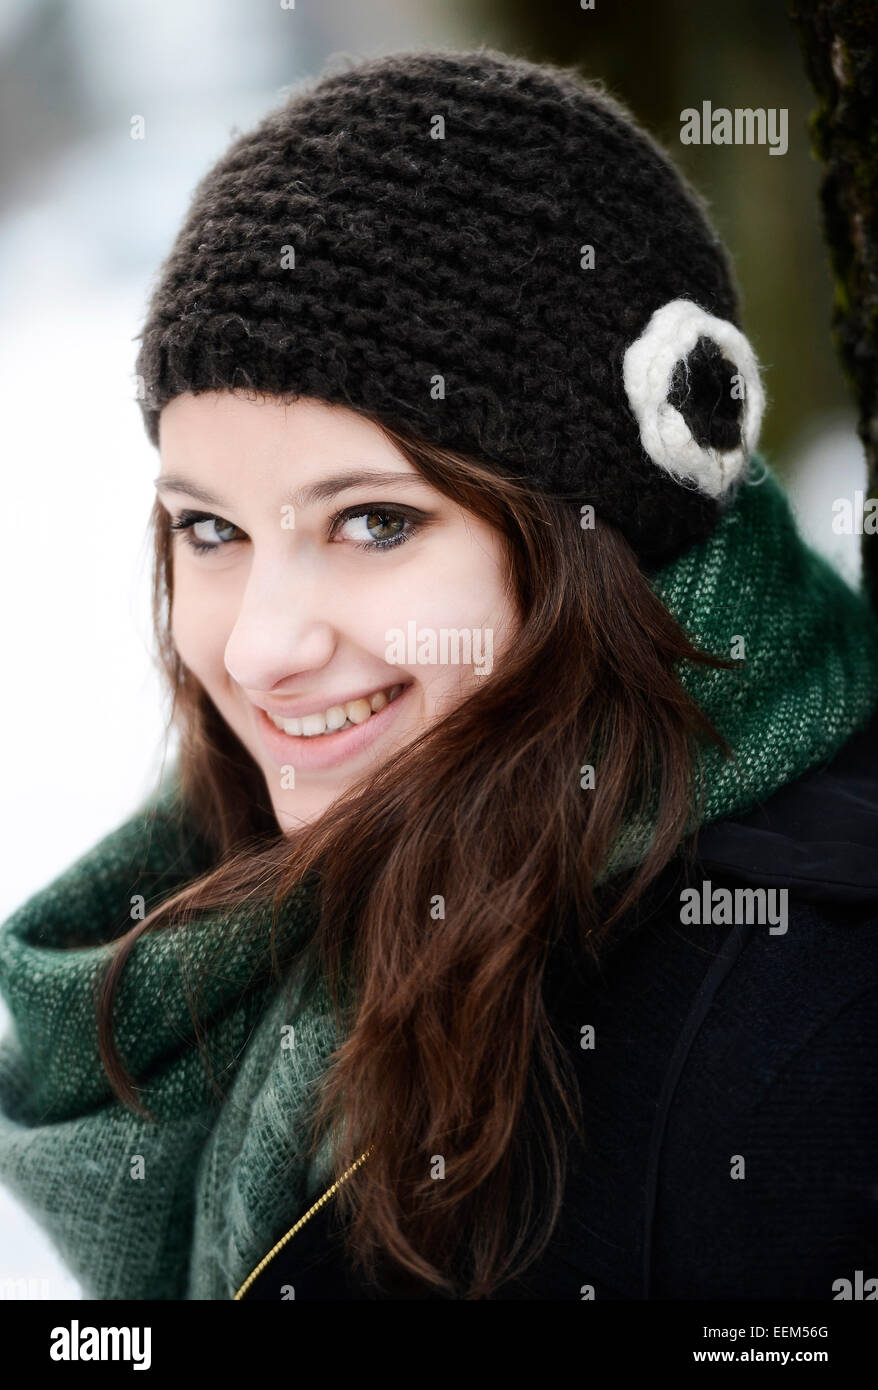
x: 648, y: 369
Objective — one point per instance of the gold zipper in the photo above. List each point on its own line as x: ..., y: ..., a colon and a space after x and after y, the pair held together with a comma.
x: 330, y: 1191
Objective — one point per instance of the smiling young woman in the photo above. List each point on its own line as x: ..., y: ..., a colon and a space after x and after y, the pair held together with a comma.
x: 389, y: 988
x: 291, y: 621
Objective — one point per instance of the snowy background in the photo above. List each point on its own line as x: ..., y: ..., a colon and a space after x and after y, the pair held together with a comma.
x: 87, y: 214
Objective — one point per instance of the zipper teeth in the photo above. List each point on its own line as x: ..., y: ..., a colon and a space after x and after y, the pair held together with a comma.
x: 330, y: 1191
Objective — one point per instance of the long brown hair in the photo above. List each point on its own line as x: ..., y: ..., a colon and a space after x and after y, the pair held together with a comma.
x: 448, y: 1047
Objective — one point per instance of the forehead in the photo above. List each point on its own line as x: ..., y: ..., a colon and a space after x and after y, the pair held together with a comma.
x: 218, y: 419
x: 216, y: 437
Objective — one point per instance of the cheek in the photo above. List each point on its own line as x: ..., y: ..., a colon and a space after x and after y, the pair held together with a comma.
x: 200, y: 629
x: 461, y: 588
x: 466, y: 585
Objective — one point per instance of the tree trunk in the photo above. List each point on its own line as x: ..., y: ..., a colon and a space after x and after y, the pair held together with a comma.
x: 839, y: 39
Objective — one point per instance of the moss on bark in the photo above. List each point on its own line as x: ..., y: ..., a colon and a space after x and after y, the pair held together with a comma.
x: 839, y: 40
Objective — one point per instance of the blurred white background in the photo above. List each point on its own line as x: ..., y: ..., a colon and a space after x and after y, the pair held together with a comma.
x: 87, y: 214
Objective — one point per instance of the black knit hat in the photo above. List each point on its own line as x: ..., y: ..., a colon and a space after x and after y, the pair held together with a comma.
x: 488, y: 253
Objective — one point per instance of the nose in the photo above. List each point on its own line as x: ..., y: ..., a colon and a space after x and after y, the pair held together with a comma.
x: 279, y: 631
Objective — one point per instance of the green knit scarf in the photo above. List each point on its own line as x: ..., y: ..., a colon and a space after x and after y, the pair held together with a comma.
x: 186, y: 1207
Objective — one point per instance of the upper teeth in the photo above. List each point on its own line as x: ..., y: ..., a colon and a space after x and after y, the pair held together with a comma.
x: 337, y: 716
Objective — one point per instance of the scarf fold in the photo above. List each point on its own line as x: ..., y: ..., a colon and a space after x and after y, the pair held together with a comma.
x: 185, y: 1207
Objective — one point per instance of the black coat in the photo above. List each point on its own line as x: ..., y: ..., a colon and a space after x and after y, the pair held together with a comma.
x: 714, y: 1044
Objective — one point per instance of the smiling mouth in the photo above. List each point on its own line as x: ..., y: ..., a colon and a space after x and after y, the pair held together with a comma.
x: 338, y: 717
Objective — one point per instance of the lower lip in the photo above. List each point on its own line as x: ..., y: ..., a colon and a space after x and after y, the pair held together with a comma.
x: 326, y: 750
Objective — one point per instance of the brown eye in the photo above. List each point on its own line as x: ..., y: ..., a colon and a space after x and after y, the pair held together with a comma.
x: 374, y: 529
x: 386, y: 524
x: 203, y: 532
x: 213, y: 530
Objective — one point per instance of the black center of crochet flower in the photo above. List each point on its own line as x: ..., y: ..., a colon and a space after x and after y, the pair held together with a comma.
x: 709, y: 393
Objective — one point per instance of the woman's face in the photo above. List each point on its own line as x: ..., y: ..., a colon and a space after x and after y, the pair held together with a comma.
x: 355, y: 610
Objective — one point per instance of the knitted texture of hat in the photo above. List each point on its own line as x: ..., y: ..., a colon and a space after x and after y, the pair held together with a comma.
x: 187, y: 1207
x: 464, y: 246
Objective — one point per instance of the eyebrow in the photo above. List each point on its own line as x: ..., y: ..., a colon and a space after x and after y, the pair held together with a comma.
x: 301, y: 497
